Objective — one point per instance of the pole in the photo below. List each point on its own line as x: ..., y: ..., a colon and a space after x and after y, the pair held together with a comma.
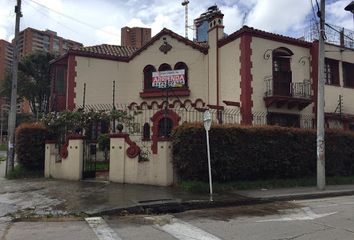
x: 114, y: 106
x: 321, y: 174
x: 12, y: 113
x: 209, y: 167
x: 84, y: 98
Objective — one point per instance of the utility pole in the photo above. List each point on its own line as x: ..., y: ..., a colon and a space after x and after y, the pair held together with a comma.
x: 12, y: 113
x: 321, y: 173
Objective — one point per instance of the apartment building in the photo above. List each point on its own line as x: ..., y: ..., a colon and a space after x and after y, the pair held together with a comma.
x: 6, y: 56
x: 32, y: 39
x: 135, y: 37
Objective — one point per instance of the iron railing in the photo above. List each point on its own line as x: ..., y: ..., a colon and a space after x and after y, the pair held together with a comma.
x: 291, y: 89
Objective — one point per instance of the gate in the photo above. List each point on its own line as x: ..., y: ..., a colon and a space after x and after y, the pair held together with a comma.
x: 89, y: 158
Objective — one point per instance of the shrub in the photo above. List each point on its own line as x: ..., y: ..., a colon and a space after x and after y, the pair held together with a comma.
x: 255, y: 153
x: 30, y: 146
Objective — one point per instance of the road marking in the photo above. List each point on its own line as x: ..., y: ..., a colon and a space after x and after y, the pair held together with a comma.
x: 185, y: 231
x: 101, y: 229
x: 304, y: 213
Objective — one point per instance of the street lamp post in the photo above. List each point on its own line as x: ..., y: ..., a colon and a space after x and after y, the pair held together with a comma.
x: 207, y: 124
x: 350, y: 8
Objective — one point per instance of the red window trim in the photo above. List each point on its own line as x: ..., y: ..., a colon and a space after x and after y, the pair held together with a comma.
x: 151, y: 93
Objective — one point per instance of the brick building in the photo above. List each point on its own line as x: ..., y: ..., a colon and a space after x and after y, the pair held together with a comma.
x: 135, y: 37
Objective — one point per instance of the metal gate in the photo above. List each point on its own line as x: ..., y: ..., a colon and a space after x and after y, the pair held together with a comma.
x: 89, y: 159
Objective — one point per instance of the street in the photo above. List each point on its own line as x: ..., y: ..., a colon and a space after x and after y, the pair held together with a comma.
x: 326, y: 218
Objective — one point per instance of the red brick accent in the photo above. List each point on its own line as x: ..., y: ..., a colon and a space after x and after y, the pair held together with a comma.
x: 71, y: 84
x: 163, y: 93
x: 246, y: 79
x: 75, y: 136
x: 155, y: 126
x: 314, y: 74
x: 133, y: 150
x: 231, y: 103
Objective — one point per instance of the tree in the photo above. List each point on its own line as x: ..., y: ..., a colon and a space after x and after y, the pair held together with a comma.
x: 33, y: 81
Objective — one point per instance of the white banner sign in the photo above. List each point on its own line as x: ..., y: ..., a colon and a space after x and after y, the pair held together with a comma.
x: 164, y: 79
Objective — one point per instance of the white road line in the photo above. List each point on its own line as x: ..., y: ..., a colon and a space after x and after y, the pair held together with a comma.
x: 185, y: 231
x: 304, y: 213
x: 101, y: 229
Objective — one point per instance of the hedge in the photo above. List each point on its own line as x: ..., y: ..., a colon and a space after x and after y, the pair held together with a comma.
x: 30, y: 146
x: 258, y: 153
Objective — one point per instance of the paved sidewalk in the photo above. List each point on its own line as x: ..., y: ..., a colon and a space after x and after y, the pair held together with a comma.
x: 59, y: 197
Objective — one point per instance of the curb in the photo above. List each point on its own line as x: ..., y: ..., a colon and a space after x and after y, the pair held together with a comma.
x: 176, y: 205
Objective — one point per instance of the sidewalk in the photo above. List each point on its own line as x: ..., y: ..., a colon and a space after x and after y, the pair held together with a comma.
x: 58, y: 197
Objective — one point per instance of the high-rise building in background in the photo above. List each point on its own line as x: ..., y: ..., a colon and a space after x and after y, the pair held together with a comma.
x: 32, y: 39
x: 135, y: 37
x: 6, y: 57
x: 201, y: 23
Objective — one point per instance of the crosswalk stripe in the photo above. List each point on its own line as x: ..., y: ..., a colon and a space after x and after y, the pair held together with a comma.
x: 185, y: 231
x: 101, y: 229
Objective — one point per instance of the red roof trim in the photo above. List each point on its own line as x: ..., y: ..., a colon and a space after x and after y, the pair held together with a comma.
x: 264, y: 35
x: 174, y: 35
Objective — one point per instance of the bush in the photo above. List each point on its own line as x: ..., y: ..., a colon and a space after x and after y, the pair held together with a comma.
x: 30, y: 146
x: 21, y: 172
x: 258, y: 153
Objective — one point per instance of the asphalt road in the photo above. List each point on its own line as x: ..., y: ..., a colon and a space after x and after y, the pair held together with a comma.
x: 330, y: 218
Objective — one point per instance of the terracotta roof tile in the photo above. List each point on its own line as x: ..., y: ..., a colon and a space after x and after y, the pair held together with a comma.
x: 108, y: 50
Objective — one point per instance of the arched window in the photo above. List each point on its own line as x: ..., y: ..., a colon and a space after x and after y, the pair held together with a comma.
x: 148, y: 70
x: 165, y: 127
x: 146, y: 131
x: 180, y: 66
x: 165, y: 67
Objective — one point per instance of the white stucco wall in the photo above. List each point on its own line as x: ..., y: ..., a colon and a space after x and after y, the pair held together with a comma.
x: 157, y: 171
x: 263, y: 67
x: 332, y: 92
x: 229, y: 71
x: 69, y: 168
x: 98, y: 74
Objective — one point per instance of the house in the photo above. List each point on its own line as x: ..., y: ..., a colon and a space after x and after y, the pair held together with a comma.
x: 259, y: 77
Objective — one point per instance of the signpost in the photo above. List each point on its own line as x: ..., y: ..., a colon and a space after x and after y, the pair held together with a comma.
x: 207, y: 124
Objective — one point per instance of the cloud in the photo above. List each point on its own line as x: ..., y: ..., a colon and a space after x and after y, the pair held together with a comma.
x: 95, y: 22
x: 278, y: 15
x: 108, y: 35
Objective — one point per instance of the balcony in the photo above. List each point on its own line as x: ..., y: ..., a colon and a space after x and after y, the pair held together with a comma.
x: 281, y: 91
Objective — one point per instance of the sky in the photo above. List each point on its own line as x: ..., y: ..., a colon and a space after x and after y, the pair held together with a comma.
x: 94, y: 22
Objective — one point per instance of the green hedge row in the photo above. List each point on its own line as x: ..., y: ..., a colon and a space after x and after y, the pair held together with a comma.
x: 258, y: 153
x: 30, y: 145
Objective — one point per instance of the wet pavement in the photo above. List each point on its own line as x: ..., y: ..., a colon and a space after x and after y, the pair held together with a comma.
x: 49, y: 197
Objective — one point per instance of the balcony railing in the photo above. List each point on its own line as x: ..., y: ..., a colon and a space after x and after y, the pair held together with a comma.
x: 288, y: 89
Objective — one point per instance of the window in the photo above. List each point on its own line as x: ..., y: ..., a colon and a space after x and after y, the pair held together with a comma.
x: 59, y: 80
x: 164, y: 67
x: 348, y: 74
x: 146, y: 131
x: 165, y: 127
x: 331, y: 72
x: 180, y: 66
x: 176, y: 86
x: 148, y: 70
x: 284, y: 120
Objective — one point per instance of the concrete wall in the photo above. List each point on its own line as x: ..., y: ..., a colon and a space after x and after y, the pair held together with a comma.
x: 158, y: 170
x: 68, y: 168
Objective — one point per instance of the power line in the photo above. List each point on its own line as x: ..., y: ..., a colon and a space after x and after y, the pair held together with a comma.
x: 71, y: 18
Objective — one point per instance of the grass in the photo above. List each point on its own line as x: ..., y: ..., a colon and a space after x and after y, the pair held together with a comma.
x: 203, y: 187
x: 3, y: 147
x: 21, y: 172
x: 102, y: 166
